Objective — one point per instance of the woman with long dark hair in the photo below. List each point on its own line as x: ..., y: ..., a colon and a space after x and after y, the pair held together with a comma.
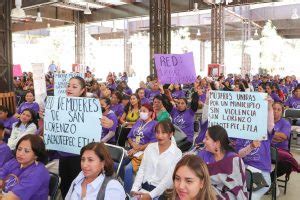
x: 27, y: 124
x: 228, y: 180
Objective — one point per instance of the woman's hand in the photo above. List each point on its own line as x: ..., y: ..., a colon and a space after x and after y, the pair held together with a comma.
x: 255, y: 144
x: 106, y: 122
x: 131, y: 152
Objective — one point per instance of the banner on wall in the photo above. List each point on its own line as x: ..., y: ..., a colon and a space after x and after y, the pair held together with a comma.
x: 39, y: 82
x: 70, y: 123
x: 175, y: 68
x: 17, y: 70
x: 243, y: 114
x: 61, y: 82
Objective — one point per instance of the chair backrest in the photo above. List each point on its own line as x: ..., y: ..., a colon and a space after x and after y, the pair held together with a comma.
x: 8, y: 100
x: 53, y: 185
x: 249, y: 180
x: 291, y: 113
x: 274, y: 159
x: 117, y: 153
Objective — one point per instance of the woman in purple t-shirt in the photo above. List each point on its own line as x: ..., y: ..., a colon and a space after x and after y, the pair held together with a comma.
x: 257, y: 153
x: 29, y: 97
x: 26, y: 177
x: 183, y: 117
x: 7, y: 118
x: 294, y: 101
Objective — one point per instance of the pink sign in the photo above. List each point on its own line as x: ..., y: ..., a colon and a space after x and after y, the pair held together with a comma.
x: 175, y: 68
x: 17, y: 70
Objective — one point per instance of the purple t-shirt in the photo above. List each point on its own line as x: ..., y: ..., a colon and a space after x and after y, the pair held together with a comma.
x: 203, y: 129
x: 5, y: 153
x: 178, y: 94
x: 118, y: 109
x: 32, y: 181
x: 284, y: 89
x: 9, y: 122
x: 145, y: 101
x: 112, y: 116
x: 128, y: 91
x: 255, y: 83
x: 208, y: 157
x: 202, y: 97
x: 293, y: 102
x: 112, y: 86
x: 285, y: 127
x: 143, y: 133
x: 275, y: 97
x: 34, y: 106
x: 147, y: 92
x: 185, y: 121
x: 152, y: 94
x: 260, y: 157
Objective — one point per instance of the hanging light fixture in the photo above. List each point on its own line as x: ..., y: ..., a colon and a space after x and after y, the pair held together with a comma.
x: 256, y: 33
x: 87, y: 10
x: 114, y: 29
x: 196, y: 7
x: 18, y: 12
x: 39, y: 17
x: 295, y: 14
x: 198, y: 32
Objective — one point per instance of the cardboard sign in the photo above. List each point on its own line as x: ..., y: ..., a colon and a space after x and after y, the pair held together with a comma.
x: 70, y: 123
x: 61, y: 82
x: 243, y: 114
x: 17, y: 70
x: 175, y: 68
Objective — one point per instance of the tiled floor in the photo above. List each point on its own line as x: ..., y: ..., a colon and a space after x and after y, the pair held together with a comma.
x: 293, y: 188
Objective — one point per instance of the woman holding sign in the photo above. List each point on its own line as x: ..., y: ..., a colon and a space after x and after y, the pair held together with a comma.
x: 69, y: 164
x: 257, y: 155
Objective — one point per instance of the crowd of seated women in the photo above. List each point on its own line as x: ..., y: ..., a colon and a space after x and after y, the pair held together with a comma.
x: 144, y: 123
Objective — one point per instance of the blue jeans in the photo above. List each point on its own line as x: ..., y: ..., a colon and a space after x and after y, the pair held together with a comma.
x: 126, y: 173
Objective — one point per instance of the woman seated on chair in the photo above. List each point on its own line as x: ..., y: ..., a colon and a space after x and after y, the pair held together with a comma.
x: 116, y: 104
x: 257, y: 154
x: 29, y: 103
x: 159, y: 160
x: 108, y: 134
x: 129, y: 117
x: 226, y: 168
x: 139, y: 137
x: 95, y: 179
x: 26, y: 177
x: 7, y: 118
x: 282, y: 129
x: 191, y: 180
x: 27, y: 124
x: 5, y: 152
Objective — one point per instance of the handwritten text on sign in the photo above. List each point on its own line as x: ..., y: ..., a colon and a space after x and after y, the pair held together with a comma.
x: 243, y: 115
x: 71, y: 123
x: 61, y: 82
x: 175, y: 68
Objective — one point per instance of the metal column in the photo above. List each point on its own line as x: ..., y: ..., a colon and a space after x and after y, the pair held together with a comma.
x: 79, y: 39
x: 6, y: 75
x: 246, y: 59
x: 202, y: 55
x: 160, y: 29
x: 217, y: 34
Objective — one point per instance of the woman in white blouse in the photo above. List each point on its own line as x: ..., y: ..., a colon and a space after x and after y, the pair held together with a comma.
x: 160, y: 158
x: 95, y: 180
x: 27, y: 124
